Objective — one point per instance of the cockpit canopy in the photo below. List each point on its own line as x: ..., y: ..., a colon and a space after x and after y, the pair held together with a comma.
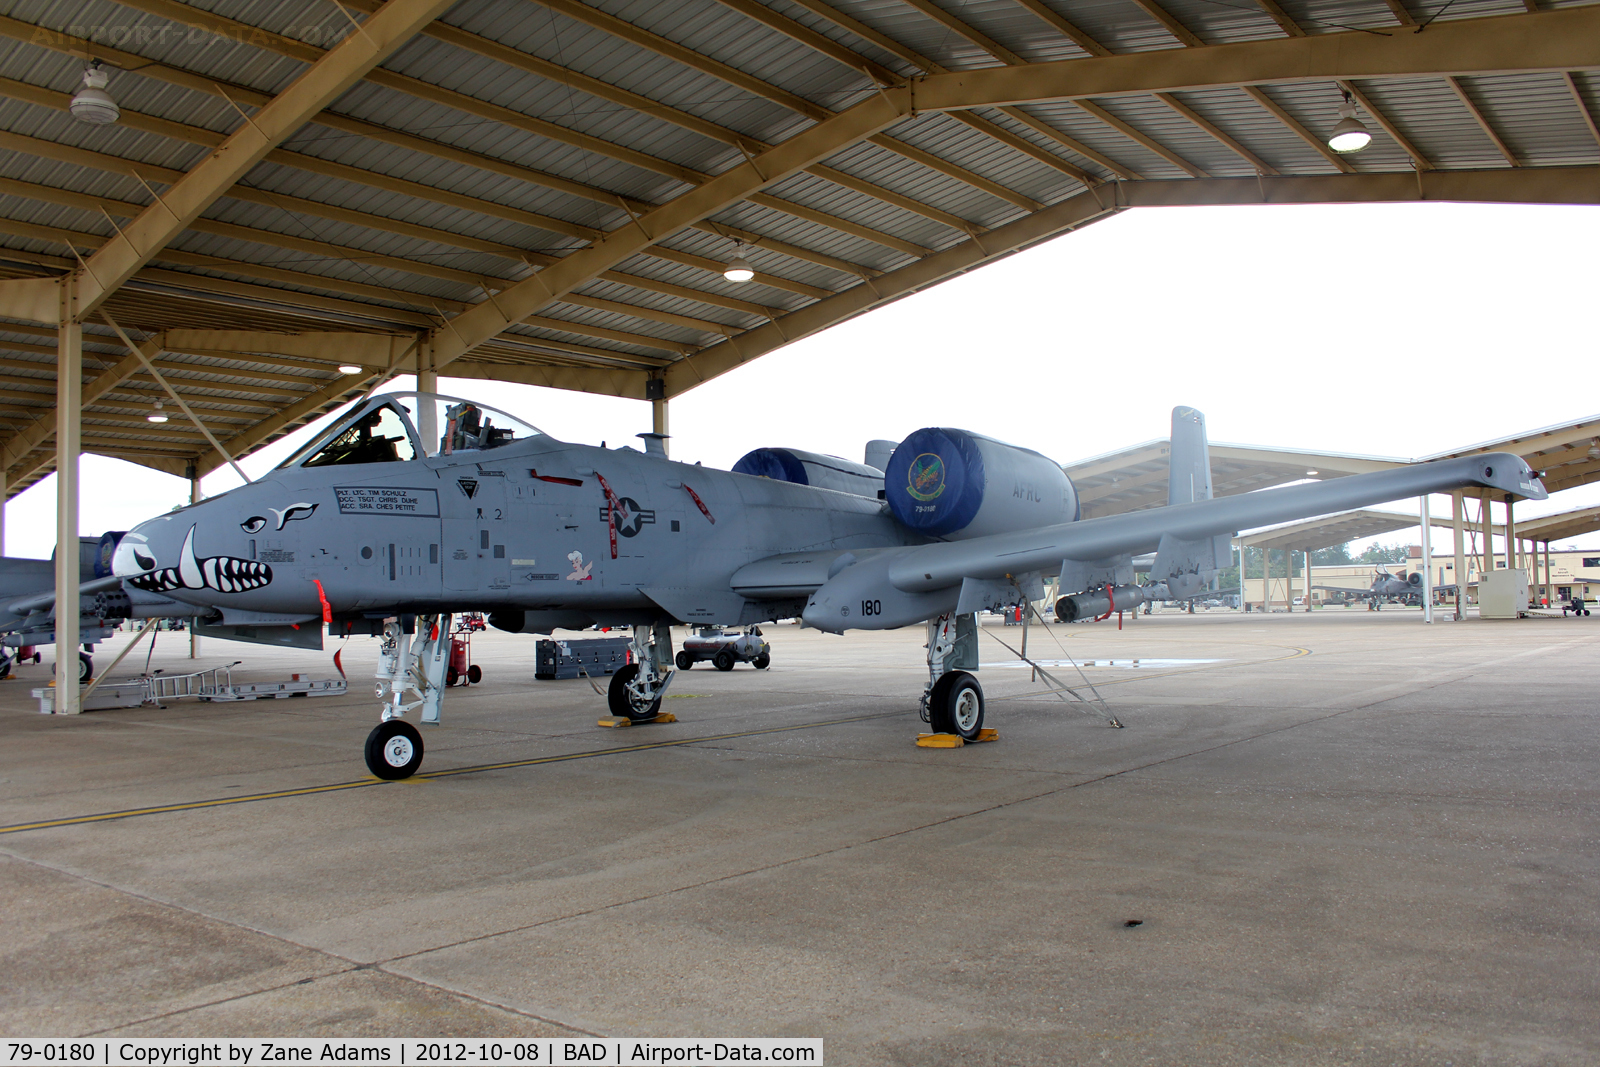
x: 394, y: 427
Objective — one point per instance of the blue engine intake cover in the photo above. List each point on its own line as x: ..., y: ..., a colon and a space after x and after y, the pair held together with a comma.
x: 935, y: 481
x: 778, y: 464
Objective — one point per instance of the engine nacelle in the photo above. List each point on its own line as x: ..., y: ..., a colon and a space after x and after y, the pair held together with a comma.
x: 954, y: 485
x: 1414, y: 579
x: 811, y: 468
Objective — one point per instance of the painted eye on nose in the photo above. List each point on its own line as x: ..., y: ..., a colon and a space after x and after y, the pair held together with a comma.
x: 145, y: 562
x: 254, y: 524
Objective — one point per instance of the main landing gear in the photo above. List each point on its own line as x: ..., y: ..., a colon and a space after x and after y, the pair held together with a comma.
x: 952, y: 703
x: 408, y: 663
x: 85, y: 667
x: 636, y: 689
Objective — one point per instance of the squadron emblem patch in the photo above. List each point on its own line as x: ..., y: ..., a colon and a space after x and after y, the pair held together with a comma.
x: 925, y: 478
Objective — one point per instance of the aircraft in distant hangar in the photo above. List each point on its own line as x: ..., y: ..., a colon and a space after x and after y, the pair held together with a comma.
x: 1394, y: 588
x: 377, y: 527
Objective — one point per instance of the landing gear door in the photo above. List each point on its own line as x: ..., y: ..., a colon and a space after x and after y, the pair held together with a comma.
x: 476, y: 531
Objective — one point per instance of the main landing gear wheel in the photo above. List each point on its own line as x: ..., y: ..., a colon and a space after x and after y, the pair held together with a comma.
x: 955, y: 706
x: 622, y: 703
x: 761, y: 662
x: 685, y: 660
x: 724, y: 660
x: 85, y: 668
x: 394, y: 750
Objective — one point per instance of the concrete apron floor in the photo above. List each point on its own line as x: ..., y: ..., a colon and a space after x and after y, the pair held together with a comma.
x: 1346, y: 837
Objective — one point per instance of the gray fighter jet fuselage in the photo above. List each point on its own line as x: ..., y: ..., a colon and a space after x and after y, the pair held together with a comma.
x: 536, y: 532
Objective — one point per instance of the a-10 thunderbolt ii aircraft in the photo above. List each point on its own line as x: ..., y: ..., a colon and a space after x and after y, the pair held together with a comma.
x: 1396, y: 588
x: 378, y: 527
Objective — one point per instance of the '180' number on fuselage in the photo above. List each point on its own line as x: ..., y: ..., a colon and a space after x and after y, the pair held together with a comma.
x: 872, y: 607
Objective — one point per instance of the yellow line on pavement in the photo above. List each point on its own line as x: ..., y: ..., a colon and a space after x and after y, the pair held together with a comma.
x: 363, y: 783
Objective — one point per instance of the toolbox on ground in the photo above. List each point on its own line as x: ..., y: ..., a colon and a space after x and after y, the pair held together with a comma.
x: 597, y: 656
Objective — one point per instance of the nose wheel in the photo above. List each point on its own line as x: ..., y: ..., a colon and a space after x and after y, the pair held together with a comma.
x: 394, y: 750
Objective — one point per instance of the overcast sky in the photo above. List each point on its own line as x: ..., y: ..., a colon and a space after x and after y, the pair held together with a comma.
x: 1393, y: 330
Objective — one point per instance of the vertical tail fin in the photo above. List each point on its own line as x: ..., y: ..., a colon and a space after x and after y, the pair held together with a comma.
x: 1189, y: 470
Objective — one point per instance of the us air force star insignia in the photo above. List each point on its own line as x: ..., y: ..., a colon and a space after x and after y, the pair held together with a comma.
x: 629, y: 517
x: 469, y: 486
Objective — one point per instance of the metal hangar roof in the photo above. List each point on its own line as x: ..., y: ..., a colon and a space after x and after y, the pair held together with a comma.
x: 1135, y: 478
x: 547, y: 192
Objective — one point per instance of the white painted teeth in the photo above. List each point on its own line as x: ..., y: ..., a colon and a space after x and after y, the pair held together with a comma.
x: 226, y: 574
x: 157, y: 581
x: 230, y: 574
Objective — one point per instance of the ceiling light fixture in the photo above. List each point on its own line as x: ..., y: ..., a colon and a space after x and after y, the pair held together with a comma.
x: 93, y: 104
x: 738, y: 269
x: 350, y: 368
x: 157, y: 415
x: 1351, y: 134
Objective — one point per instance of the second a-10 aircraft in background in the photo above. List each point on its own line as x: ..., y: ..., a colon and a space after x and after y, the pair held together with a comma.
x: 375, y: 527
x: 1394, y: 588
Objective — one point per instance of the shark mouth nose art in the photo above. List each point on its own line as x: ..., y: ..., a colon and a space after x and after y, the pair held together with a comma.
x: 226, y: 574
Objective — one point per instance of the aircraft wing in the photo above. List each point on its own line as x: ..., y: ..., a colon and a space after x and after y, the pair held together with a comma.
x: 894, y: 587
x: 927, y: 567
x: 1344, y: 589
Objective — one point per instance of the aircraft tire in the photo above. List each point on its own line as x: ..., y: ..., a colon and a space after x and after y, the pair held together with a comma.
x: 451, y: 678
x: 761, y: 662
x: 85, y: 668
x: 685, y: 660
x: 621, y: 703
x: 394, y: 750
x: 724, y: 660
x: 474, y: 674
x: 955, y: 706
x: 5, y: 667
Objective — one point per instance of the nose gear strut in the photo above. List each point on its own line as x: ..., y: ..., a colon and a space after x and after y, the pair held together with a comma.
x: 413, y: 663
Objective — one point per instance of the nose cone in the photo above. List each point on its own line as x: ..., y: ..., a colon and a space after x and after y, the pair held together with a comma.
x: 165, y: 556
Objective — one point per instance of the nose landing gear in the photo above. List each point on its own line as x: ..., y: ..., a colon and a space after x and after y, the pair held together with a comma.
x: 408, y: 663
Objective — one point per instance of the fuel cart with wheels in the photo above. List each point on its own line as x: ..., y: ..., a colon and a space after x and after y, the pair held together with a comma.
x: 725, y: 649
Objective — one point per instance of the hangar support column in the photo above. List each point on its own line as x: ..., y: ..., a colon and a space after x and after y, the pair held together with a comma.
x: 659, y: 421
x: 69, y: 423
x: 1458, y: 507
x: 1427, y: 561
x: 1511, y: 536
x: 427, y: 382
x: 1308, y: 579
x: 1488, y: 535
x: 194, y: 498
x: 1549, y: 583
